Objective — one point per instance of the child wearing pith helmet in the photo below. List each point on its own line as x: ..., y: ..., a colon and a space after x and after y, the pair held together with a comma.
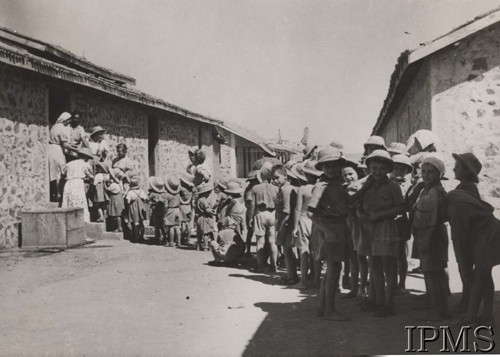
x: 380, y: 204
x: 431, y: 236
x: 467, y: 168
x: 328, y: 209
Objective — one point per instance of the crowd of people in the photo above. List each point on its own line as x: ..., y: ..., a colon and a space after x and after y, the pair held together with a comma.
x: 365, y: 218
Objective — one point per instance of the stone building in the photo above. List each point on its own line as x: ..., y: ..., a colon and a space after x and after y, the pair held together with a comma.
x: 452, y: 87
x: 38, y: 81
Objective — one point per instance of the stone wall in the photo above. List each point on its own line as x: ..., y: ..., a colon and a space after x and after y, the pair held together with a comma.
x: 23, y: 149
x: 466, y: 105
x: 124, y: 121
x: 227, y: 156
x: 413, y: 111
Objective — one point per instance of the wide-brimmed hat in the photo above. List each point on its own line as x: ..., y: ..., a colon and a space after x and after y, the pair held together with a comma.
x: 103, y: 165
x: 350, y: 161
x: 396, y: 148
x: 436, y: 161
x: 375, y: 140
x: 221, y: 183
x: 380, y: 155
x: 288, y: 167
x: 86, y: 152
x: 308, y: 150
x: 172, y: 184
x: 337, y: 144
x: 298, y: 171
x: 131, y: 174
x: 233, y: 188
x: 187, y: 179
x: 328, y: 154
x: 403, y: 160
x: 471, y: 163
x: 265, y: 171
x: 117, y: 174
x: 156, y: 184
x: 309, y: 167
x: 204, y: 187
x: 253, y: 175
x: 135, y: 182
x: 97, y: 129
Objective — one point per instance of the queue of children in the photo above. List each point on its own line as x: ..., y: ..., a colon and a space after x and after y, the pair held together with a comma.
x: 372, y: 217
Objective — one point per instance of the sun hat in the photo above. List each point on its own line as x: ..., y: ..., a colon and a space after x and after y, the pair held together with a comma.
x: 396, y: 148
x: 204, y: 187
x: 253, y: 175
x: 437, y: 162
x: 97, y: 129
x: 172, y: 185
x: 135, y: 182
x: 337, y: 144
x: 298, y: 171
x: 380, y: 155
x: 403, y: 160
x: 187, y: 179
x: 470, y: 162
x: 328, y: 154
x: 103, y: 165
x: 426, y: 138
x: 265, y: 171
x: 375, y: 140
x: 288, y: 167
x: 86, y: 152
x: 117, y: 174
x: 308, y: 150
x: 309, y: 167
x: 233, y: 188
x: 156, y: 184
x: 132, y: 174
x: 221, y: 183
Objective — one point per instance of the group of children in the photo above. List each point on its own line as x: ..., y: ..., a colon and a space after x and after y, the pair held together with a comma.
x: 331, y: 209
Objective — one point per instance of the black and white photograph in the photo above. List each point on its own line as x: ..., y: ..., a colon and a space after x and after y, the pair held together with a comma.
x: 249, y: 177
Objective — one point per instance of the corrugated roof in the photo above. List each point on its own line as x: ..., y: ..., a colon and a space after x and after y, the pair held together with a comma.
x: 407, y: 63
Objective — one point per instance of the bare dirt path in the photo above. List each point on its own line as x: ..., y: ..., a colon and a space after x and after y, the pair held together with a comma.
x: 114, y: 297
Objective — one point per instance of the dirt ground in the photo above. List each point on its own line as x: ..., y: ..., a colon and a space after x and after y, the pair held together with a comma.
x: 114, y: 297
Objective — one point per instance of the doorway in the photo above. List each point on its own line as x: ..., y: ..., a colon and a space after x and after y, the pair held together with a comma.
x: 153, y: 136
x: 59, y: 102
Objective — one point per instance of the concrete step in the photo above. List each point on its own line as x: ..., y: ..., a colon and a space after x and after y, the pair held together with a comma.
x: 95, y: 230
x: 111, y: 236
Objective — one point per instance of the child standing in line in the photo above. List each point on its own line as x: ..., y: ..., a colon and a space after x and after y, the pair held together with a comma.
x: 205, y: 211
x: 302, y: 223
x: 186, y: 200
x: 431, y: 236
x: 171, y: 218
x: 116, y: 205
x: 381, y: 202
x: 134, y: 209
x: 156, y: 201
x: 263, y: 205
x: 99, y: 197
x: 402, y: 167
x: 285, y: 199
x: 474, y: 225
x: 253, y: 179
x: 328, y: 209
x: 467, y: 168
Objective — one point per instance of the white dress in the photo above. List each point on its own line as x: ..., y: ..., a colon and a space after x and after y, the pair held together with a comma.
x: 74, y: 189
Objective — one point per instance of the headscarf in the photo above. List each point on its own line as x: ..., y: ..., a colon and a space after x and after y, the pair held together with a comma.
x: 63, y: 117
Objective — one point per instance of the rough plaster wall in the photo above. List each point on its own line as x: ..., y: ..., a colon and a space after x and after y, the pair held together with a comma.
x: 23, y: 150
x: 466, y: 105
x: 124, y: 121
x: 207, y: 145
x: 413, y: 112
x: 177, y: 137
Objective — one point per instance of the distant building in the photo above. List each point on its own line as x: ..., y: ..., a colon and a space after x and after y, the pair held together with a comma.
x: 39, y: 81
x: 452, y: 86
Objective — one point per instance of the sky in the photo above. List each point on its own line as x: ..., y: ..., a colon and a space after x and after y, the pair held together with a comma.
x: 267, y: 65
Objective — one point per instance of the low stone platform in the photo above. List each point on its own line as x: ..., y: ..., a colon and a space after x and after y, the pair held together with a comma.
x: 97, y: 231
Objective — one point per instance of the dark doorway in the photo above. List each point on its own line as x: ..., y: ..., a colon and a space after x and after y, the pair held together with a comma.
x: 153, y: 136
x: 59, y: 101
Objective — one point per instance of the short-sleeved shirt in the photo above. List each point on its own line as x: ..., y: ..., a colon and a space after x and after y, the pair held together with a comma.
x: 124, y: 164
x: 77, y: 135
x: 171, y: 201
x: 283, y: 208
x: 429, y: 210
x: 382, y: 195
x: 265, y: 195
x: 470, y: 187
x: 59, y: 133
x: 329, y: 199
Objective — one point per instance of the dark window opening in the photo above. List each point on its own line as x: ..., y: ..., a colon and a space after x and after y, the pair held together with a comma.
x: 153, y: 136
x: 59, y: 102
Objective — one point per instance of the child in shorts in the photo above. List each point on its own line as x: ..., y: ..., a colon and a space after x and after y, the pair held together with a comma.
x: 186, y: 207
x: 172, y: 215
x: 328, y: 209
x: 156, y: 202
x: 205, y: 211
